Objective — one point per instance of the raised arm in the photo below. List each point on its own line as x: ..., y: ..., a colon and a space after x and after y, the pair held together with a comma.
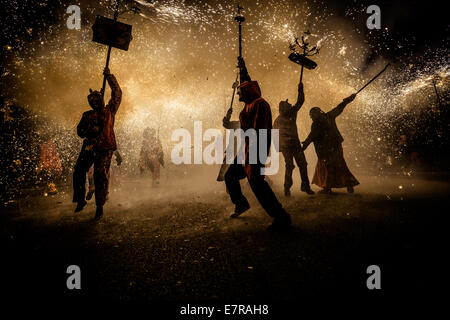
x: 341, y: 106
x: 243, y: 73
x: 300, y: 100
x: 116, y: 92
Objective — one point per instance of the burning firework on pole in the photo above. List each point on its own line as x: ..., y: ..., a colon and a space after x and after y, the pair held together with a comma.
x: 301, y: 58
x: 112, y: 33
x: 239, y: 19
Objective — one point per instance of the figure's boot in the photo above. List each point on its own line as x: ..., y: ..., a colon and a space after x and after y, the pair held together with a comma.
x: 240, y: 209
x: 326, y: 191
x: 281, y: 223
x: 98, y: 213
x: 287, y: 192
x: 306, y: 188
x: 80, y: 206
x: 90, y: 194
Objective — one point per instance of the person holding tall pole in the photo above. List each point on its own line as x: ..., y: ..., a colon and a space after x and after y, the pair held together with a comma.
x: 108, y: 55
x: 289, y: 143
x: 286, y: 123
x: 331, y: 169
x: 255, y: 115
x: 233, y: 125
x: 96, y: 126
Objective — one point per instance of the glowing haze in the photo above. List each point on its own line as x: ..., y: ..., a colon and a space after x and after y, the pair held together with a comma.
x: 181, y: 64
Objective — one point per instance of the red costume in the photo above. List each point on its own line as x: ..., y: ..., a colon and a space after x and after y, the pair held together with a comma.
x: 97, y: 129
x: 114, y: 177
x: 255, y: 115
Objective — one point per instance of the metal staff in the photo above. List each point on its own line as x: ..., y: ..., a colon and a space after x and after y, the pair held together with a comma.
x: 239, y: 19
x: 116, y: 15
x: 304, y: 54
x: 230, y: 109
x: 379, y: 73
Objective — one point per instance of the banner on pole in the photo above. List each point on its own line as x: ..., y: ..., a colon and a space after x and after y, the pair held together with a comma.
x: 112, y: 33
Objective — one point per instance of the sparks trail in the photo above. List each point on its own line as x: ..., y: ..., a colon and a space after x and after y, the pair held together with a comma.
x: 179, y: 57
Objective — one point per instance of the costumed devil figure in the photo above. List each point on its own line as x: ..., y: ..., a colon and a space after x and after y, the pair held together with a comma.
x: 96, y: 127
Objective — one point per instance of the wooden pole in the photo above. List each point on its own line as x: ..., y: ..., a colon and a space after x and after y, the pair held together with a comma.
x: 240, y: 39
x: 304, y: 54
x: 379, y: 73
x: 108, y: 55
x: 437, y: 94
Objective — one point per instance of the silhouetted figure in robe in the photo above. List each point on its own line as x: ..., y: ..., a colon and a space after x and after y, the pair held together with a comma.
x: 331, y: 169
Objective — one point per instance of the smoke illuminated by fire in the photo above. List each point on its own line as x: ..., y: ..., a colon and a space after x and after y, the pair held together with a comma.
x: 182, y: 62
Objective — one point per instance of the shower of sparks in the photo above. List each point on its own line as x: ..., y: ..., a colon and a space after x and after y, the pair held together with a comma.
x: 182, y: 62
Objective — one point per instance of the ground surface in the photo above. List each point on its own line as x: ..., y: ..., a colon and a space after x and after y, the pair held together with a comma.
x: 177, y: 243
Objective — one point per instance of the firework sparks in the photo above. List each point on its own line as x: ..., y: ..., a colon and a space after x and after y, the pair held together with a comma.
x: 181, y: 64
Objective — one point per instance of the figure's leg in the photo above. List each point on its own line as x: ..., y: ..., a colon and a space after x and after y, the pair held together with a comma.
x: 151, y: 167
x: 156, y: 169
x: 110, y: 179
x: 269, y: 201
x: 289, y: 161
x: 91, y: 183
x: 300, y: 159
x: 235, y: 173
x: 141, y: 164
x: 102, y: 162
x: 84, y: 161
